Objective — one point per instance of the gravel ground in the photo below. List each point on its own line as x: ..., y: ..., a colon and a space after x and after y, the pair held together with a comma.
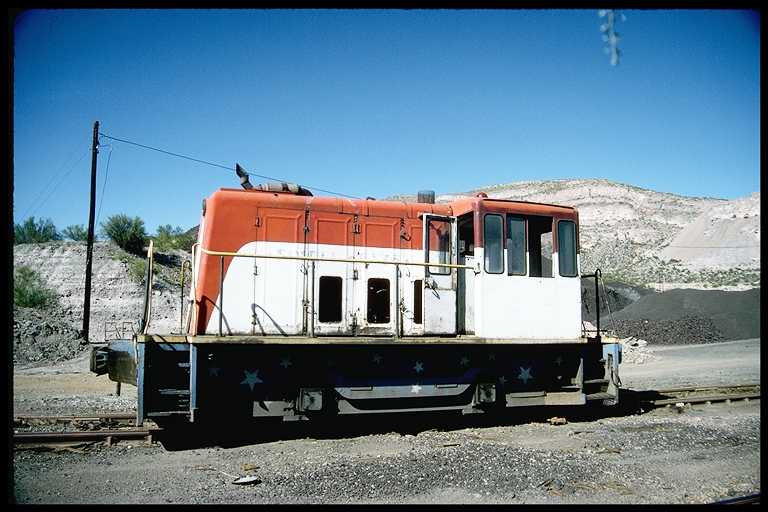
x: 704, y: 454
x: 44, y: 336
x: 699, y: 456
x: 682, y: 331
x: 717, y: 364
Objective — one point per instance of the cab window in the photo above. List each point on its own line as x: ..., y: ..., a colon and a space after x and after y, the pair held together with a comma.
x: 566, y: 243
x: 516, y: 260
x: 493, y: 231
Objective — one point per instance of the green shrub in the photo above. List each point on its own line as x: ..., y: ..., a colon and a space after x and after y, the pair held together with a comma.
x: 169, y: 237
x: 34, y: 232
x: 137, y: 270
x: 128, y: 233
x: 76, y: 232
x: 29, y: 290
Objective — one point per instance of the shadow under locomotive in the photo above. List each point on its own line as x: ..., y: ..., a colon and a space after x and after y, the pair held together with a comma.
x: 244, y: 432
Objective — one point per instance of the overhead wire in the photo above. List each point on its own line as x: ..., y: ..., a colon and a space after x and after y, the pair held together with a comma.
x: 104, y: 186
x: 716, y: 247
x: 213, y: 164
x: 36, y: 203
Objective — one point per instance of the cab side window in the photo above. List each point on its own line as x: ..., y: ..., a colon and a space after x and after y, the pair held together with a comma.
x: 516, y: 249
x: 493, y: 231
x: 566, y: 243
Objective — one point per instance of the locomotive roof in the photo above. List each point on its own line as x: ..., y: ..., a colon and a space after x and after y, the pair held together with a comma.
x: 385, y: 208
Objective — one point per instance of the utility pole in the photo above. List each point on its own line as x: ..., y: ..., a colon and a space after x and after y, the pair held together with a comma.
x: 89, y: 251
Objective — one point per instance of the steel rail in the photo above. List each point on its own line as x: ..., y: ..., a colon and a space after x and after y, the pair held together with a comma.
x: 93, y: 435
x: 706, y: 388
x: 706, y: 398
x: 90, y: 417
x: 750, y: 499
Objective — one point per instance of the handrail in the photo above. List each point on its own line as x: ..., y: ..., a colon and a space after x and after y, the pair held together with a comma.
x: 150, y: 268
x: 193, y: 289
x: 337, y: 260
x: 221, y: 254
x: 184, y: 265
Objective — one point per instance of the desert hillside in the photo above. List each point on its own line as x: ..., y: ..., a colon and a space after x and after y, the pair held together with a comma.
x: 117, y: 293
x: 651, y: 238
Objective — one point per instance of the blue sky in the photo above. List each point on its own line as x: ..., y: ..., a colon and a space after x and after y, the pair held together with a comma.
x: 376, y: 103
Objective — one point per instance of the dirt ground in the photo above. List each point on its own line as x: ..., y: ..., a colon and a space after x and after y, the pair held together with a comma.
x: 703, y: 454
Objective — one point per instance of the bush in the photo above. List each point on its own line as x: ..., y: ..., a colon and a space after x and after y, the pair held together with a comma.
x: 128, y: 233
x: 34, y: 232
x: 137, y: 270
x: 29, y: 290
x: 76, y: 232
x: 169, y: 237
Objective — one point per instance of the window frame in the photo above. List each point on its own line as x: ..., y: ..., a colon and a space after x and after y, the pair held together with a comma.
x: 501, y: 243
x: 440, y: 271
x: 525, y: 243
x: 575, y: 250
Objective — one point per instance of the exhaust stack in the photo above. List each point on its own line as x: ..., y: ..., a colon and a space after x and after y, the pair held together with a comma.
x: 426, y: 196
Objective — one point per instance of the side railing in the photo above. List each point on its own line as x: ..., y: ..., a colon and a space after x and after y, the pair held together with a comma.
x: 148, y: 289
x: 313, y: 260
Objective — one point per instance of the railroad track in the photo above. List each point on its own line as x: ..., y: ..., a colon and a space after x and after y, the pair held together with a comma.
x: 751, y: 499
x: 92, y: 433
x: 98, y: 417
x: 653, y: 398
x: 699, y: 395
x: 108, y: 436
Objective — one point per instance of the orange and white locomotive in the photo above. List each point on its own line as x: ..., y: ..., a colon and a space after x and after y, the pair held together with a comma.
x: 303, y: 306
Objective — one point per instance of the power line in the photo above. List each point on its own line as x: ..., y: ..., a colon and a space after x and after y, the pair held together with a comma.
x: 104, y: 186
x: 713, y: 246
x: 58, y: 184
x: 46, y: 188
x: 213, y: 164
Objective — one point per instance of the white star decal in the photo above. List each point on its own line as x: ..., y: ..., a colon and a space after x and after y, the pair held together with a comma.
x: 213, y: 372
x: 525, y: 375
x: 503, y: 380
x: 377, y: 358
x: 419, y: 367
x: 559, y: 360
x: 252, y: 378
x: 464, y: 361
x: 415, y: 388
x: 285, y: 363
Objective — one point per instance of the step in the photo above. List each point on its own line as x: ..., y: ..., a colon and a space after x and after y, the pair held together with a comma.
x: 599, y: 396
x: 170, y: 392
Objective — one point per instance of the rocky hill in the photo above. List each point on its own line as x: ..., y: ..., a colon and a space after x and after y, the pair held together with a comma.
x: 651, y: 238
x: 117, y: 293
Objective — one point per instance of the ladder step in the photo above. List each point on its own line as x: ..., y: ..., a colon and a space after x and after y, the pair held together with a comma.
x: 599, y: 396
x: 181, y: 392
x: 596, y: 381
